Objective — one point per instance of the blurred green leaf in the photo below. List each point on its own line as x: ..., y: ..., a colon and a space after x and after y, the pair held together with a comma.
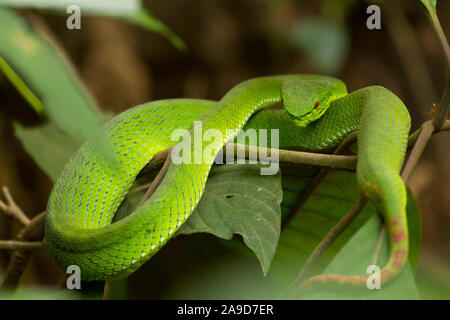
x: 147, y: 20
x: 428, y: 3
x: 50, y: 147
x: 39, y: 294
x: 106, y: 7
x: 326, y: 44
x: 21, y: 86
x: 128, y: 10
x: 50, y: 78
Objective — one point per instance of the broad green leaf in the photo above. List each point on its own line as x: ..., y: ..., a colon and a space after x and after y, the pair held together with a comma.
x: 49, y: 146
x: 327, y: 204
x: 128, y: 10
x: 355, y: 257
x: 239, y: 200
x: 49, y: 77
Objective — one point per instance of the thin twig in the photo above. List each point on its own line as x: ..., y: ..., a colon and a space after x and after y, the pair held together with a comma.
x: 332, y: 235
x: 12, y: 209
x: 413, y: 137
x: 419, y: 146
x: 13, y: 244
x: 298, y: 157
x: 292, y: 157
x: 444, y: 106
x: 156, y: 182
x: 34, y: 231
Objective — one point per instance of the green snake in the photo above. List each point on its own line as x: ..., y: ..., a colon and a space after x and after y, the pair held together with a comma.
x: 318, y: 114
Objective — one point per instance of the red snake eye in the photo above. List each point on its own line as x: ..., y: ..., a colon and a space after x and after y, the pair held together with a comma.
x: 316, y: 105
x: 282, y: 102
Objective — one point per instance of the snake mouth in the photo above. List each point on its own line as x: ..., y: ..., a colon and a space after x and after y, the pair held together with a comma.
x: 301, y: 123
x: 304, y: 120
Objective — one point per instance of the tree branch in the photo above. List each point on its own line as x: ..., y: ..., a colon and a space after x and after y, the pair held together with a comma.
x: 13, y: 245
x: 156, y: 182
x: 33, y: 231
x: 11, y: 209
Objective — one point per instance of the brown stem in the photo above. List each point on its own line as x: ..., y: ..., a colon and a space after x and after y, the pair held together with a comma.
x: 32, y: 232
x: 156, y: 182
x: 298, y: 157
x: 413, y: 137
x: 13, y: 244
x: 326, y: 242
x: 12, y: 209
x: 419, y: 146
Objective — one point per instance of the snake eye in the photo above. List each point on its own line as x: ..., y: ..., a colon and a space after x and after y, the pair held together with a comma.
x: 316, y: 105
x: 282, y: 102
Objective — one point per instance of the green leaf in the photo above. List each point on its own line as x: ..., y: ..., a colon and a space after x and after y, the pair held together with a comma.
x: 354, y: 259
x: 428, y: 3
x: 50, y: 78
x: 239, y: 200
x: 145, y: 19
x: 128, y: 10
x: 321, y: 211
x: 49, y: 146
x: 21, y: 86
x: 106, y: 7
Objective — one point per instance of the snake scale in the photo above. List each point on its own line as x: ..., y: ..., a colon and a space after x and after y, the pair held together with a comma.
x: 318, y: 114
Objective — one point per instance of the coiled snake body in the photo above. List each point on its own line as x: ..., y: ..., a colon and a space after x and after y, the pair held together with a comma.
x: 79, y: 228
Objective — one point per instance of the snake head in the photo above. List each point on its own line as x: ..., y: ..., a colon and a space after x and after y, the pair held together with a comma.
x: 307, y: 100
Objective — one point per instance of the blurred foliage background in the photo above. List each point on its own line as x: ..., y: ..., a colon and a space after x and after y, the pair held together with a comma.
x: 123, y: 65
